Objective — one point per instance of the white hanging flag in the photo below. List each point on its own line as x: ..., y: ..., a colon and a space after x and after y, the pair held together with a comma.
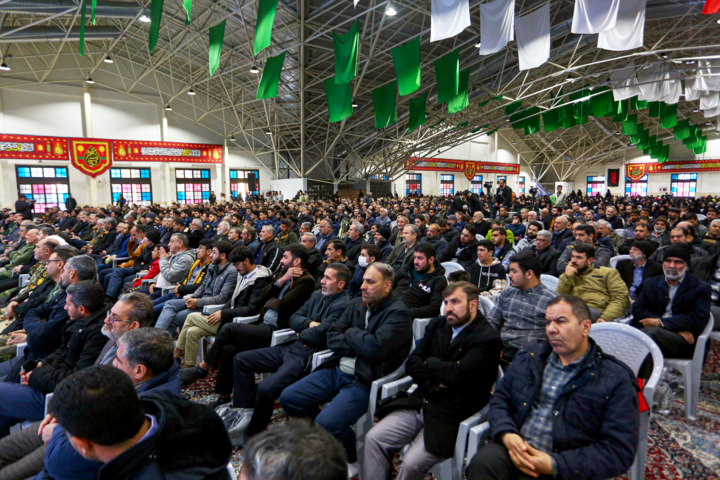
x: 627, y: 83
x: 629, y: 28
x: 355, y: 2
x: 594, y: 16
x: 691, y: 93
x: 497, y: 21
x: 448, y: 18
x: 533, y: 37
x: 708, y: 77
x: 709, y: 101
x: 670, y: 88
x: 649, y: 83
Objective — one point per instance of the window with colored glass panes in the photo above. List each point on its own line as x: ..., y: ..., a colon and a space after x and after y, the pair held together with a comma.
x: 684, y: 184
x: 134, y: 184
x: 476, y: 184
x: 521, y: 185
x: 239, y: 183
x: 596, y: 185
x: 413, y: 183
x: 192, y: 185
x: 447, y: 185
x: 47, y: 186
x: 636, y: 188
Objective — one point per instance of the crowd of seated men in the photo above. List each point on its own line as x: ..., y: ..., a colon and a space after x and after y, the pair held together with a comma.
x: 123, y: 306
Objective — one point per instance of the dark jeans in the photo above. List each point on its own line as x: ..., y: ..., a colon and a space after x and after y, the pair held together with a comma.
x: 287, y: 362
x: 672, y: 345
x: 231, y: 339
x: 19, y: 403
x: 10, y: 283
x: 115, y: 280
x: 348, y: 402
x: 492, y: 462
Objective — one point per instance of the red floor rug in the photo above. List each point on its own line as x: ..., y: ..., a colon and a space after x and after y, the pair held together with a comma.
x: 677, y: 448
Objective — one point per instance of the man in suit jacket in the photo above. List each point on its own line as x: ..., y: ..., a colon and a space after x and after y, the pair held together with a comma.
x: 639, y: 267
x: 674, y: 308
x: 455, y: 366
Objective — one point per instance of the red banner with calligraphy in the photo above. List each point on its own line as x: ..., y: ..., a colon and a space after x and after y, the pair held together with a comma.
x: 35, y: 148
x: 131, y: 150
x: 91, y: 156
x: 443, y: 165
x: 635, y: 171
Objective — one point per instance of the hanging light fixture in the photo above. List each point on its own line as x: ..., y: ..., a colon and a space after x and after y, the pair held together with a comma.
x: 390, y: 10
x: 232, y: 138
x: 108, y: 59
x: 168, y: 108
x: 4, y: 67
x: 144, y: 19
x: 254, y: 69
x: 191, y: 91
x: 89, y: 80
x: 355, y: 105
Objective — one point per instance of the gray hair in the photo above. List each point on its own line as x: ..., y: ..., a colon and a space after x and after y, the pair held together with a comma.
x: 605, y: 224
x: 545, y: 234
x: 311, y: 237
x: 717, y: 220
x: 225, y: 226
x: 111, y: 221
x: 385, y: 270
x: 359, y: 227
x: 413, y: 228
x: 270, y: 228
x: 197, y: 222
x: 182, y: 237
x: 142, y: 308
x: 84, y: 266
x: 307, y: 226
x: 150, y: 347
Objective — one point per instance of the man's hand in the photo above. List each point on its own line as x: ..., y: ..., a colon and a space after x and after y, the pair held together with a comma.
x: 17, y: 338
x: 601, y: 320
x: 46, y: 421
x: 163, y: 253
x: 689, y: 337
x: 46, y: 433
x: 542, y: 462
x: 177, y: 289
x: 17, y: 269
x: 570, y: 270
x: 152, y: 287
x: 9, y: 309
x: 191, y: 303
x: 650, y: 322
x: 214, y: 318
x: 518, y: 450
x: 313, y: 324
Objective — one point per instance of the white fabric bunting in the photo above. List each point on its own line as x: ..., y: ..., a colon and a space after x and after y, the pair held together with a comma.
x: 691, y: 93
x: 448, y: 18
x: 629, y: 28
x: 497, y: 22
x: 708, y: 77
x: 594, y: 16
x: 627, y: 83
x: 533, y: 37
x: 709, y: 101
x: 649, y: 83
x: 670, y: 88
x: 356, y: 2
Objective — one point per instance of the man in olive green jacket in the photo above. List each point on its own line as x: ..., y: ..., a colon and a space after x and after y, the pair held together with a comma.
x: 22, y: 255
x: 601, y: 288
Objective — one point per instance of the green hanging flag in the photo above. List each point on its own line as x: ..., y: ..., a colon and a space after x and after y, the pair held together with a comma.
x: 668, y: 115
x: 700, y: 147
x: 339, y: 98
x: 217, y: 34
x: 638, y: 104
x: 417, y: 112
x: 485, y: 102
x: 263, y: 26
x: 346, y: 53
x: 654, y: 109
x: 513, y: 107
x: 532, y: 123
x: 569, y: 121
x: 551, y: 120
x: 447, y: 76
x: 581, y: 108
x: 268, y: 87
x: 156, y: 10
x: 187, y: 6
x: 92, y: 8
x: 82, y: 29
x: 461, y: 100
x: 629, y: 126
x: 384, y: 104
x: 601, y: 103
x: 463, y: 124
x: 620, y: 111
x: 406, y: 59
x: 682, y: 129
x: 436, y: 124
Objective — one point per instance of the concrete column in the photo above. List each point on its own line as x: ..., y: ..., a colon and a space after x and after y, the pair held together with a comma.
x: 169, y: 194
x: 4, y: 197
x: 88, y: 133
x: 225, y: 186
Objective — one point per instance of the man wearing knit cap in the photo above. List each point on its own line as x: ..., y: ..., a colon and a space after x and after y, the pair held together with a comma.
x: 673, y: 308
x: 639, y: 267
x: 382, y: 236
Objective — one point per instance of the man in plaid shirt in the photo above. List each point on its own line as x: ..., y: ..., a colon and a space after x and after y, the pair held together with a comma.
x: 519, y: 311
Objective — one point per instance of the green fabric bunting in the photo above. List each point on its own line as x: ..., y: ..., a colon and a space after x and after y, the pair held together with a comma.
x: 668, y: 115
x: 82, y: 29
x: 629, y: 126
x: 217, y: 34
x: 461, y: 100
x: 417, y: 112
x: 581, y: 108
x: 268, y: 87
x: 620, y: 111
x: 513, y: 107
x: 187, y: 6
x: 438, y: 123
x: 551, y: 120
x: 92, y: 8
x: 339, y: 98
x: 638, y: 104
x: 485, y: 102
x: 346, y: 53
x: 532, y: 123
x: 682, y: 129
x: 601, y: 104
x: 406, y: 59
x: 156, y: 10
x: 384, y: 105
x: 264, y: 24
x: 447, y: 76
x: 463, y: 124
x: 700, y: 147
x: 654, y: 109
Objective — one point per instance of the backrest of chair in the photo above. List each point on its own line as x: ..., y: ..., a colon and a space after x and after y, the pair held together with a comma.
x: 451, y: 267
x: 393, y: 224
x: 550, y: 282
x: 620, y: 231
x: 701, y: 217
x: 419, y: 326
x: 487, y: 305
x: 614, y: 260
x: 479, y: 237
x: 699, y: 354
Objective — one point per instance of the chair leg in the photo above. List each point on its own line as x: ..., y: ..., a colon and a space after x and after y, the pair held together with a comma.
x: 637, y: 470
x: 692, y: 407
x: 689, y: 392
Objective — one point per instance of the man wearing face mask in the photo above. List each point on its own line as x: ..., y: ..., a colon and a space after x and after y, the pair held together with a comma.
x: 368, y: 254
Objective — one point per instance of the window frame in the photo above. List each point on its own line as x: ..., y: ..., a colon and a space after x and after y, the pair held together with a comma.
x: 643, y: 182
x: 32, y: 181
x: 447, y: 181
x: 201, y: 180
x: 132, y: 181
x: 476, y: 184
x: 675, y: 180
x: 238, y: 180
x: 594, y: 180
x: 416, y: 181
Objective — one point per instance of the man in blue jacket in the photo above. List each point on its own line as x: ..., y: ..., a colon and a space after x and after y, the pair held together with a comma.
x: 564, y: 409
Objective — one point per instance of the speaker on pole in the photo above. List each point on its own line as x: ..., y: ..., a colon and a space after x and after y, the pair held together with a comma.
x: 252, y: 182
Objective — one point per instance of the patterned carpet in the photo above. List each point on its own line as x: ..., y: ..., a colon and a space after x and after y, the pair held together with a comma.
x: 677, y: 448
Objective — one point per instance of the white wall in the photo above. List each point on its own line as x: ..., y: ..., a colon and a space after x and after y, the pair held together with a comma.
x: 54, y: 110
x: 288, y: 186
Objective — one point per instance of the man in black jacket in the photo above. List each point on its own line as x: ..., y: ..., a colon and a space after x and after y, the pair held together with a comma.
x: 168, y: 439
x: 434, y: 237
x: 308, y: 240
x: 354, y: 242
x: 455, y: 366
x: 642, y: 232
x: 82, y: 341
x: 487, y: 269
x: 639, y: 267
x: 253, y: 404
x: 466, y: 253
x: 371, y: 339
x: 503, y: 194
x: 420, y: 284
x: 547, y: 254
x: 270, y: 252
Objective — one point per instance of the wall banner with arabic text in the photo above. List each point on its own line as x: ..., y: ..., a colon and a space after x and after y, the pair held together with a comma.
x: 443, y: 165
x: 139, y: 151
x: 33, y: 148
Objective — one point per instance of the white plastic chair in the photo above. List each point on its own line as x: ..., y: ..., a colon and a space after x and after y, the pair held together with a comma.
x: 451, y: 267
x: 487, y: 305
x: 701, y: 217
x: 479, y: 237
x: 692, y: 371
x: 419, y: 326
x: 118, y: 260
x: 620, y: 231
x: 614, y: 260
x: 209, y: 309
x: 231, y: 471
x: 23, y: 280
x: 206, y: 342
x: 393, y: 224
x: 550, y: 282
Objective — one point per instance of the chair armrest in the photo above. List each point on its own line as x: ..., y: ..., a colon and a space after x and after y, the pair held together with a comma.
x: 320, y: 357
x: 166, y: 290
x: 21, y: 349
x: 461, y: 442
x: 476, y: 439
x: 252, y: 319
x: 147, y: 282
x: 23, y: 280
x: 117, y: 260
x: 281, y: 336
x: 208, y: 309
x: 392, y: 388
x: 377, y: 384
x: 47, y: 402
x: 624, y: 320
x: 419, y: 326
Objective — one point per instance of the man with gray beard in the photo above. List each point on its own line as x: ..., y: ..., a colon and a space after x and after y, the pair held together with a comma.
x: 131, y: 311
